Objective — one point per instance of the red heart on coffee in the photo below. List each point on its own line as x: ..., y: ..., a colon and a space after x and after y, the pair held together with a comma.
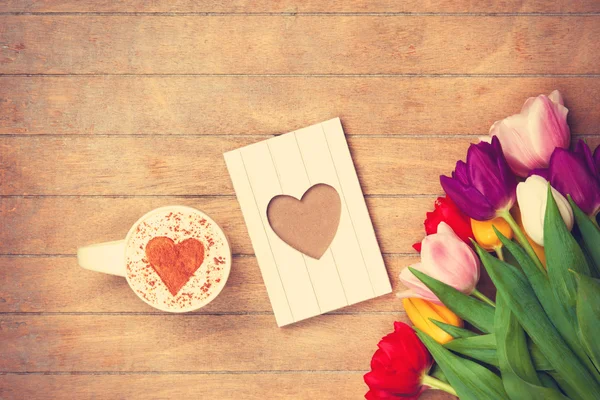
x: 174, y: 263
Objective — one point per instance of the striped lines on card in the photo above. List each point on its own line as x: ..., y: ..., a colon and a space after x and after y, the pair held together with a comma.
x: 352, y: 269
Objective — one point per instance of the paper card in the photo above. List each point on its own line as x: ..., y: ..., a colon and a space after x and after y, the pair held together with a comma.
x: 308, y: 222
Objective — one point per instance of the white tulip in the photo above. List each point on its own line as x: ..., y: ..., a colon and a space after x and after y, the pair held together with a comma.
x: 532, y: 197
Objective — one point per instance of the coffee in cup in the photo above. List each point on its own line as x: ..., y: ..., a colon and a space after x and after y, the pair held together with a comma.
x: 174, y: 258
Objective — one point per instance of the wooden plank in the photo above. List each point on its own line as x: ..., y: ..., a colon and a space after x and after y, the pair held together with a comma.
x: 58, y: 225
x: 181, y: 165
x: 68, y: 288
x: 178, y: 165
x: 268, y: 104
x: 310, y: 44
x: 303, y: 6
x: 308, y: 385
x: 188, y: 342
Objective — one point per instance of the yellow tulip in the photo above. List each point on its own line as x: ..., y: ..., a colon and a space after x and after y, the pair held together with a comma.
x: 539, y: 250
x: 419, y: 311
x: 485, y: 235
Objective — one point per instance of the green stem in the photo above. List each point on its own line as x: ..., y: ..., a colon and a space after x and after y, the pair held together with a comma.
x: 522, y: 239
x: 483, y: 297
x: 437, y: 384
x: 499, y: 253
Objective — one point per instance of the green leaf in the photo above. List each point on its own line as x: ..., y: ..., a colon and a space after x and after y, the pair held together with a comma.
x: 561, y: 382
x: 548, y: 381
x: 539, y: 360
x: 556, y: 312
x: 470, y: 380
x: 519, y: 376
x: 479, y: 314
x: 590, y: 235
x: 521, y: 300
x: 588, y: 316
x: 562, y: 253
x: 452, y: 330
x: 481, y: 348
x: 437, y: 373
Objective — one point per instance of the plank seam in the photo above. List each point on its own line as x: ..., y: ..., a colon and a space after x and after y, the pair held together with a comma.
x: 333, y: 75
x: 300, y: 14
x: 247, y: 372
x: 135, y: 196
x: 267, y: 135
x: 188, y: 314
x: 238, y: 255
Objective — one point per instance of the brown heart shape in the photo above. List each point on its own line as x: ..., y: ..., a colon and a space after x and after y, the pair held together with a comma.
x: 174, y: 263
x: 309, y: 224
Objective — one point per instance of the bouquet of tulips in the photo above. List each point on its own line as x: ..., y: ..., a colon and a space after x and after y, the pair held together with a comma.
x: 525, y: 207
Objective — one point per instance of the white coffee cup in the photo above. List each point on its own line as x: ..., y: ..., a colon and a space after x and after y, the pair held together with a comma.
x: 127, y: 258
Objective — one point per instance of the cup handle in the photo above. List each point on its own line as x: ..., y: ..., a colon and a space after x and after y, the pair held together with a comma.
x: 108, y: 257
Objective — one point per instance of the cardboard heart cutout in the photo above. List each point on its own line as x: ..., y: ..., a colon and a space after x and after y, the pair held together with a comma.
x: 174, y: 263
x: 309, y: 224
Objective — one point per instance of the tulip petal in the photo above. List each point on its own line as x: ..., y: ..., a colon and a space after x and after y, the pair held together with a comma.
x: 516, y: 144
x: 597, y: 161
x: 543, y: 172
x: 489, y: 174
x: 529, y: 138
x: 532, y: 198
x: 570, y: 175
x: 468, y: 199
x: 416, y: 287
x: 585, y: 154
x: 556, y: 97
x: 461, y: 173
x: 460, y: 266
x: 548, y: 127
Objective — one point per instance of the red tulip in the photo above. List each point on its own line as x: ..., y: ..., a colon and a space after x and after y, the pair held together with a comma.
x: 445, y: 210
x: 398, y: 366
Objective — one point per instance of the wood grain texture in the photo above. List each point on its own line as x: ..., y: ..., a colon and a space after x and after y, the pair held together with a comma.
x: 126, y: 99
x: 176, y: 165
x: 299, y: 6
x: 69, y: 288
x: 252, y: 386
x: 270, y: 105
x: 189, y: 342
x: 299, y: 44
x: 58, y: 225
x: 186, y: 165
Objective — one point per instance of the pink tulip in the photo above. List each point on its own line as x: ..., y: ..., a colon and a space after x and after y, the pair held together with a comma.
x: 529, y: 138
x: 445, y: 257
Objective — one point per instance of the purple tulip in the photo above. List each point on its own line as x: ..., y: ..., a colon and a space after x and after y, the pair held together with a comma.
x: 597, y: 160
x: 484, y: 186
x: 576, y: 173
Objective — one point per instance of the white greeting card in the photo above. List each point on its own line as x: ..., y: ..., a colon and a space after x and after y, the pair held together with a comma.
x: 308, y: 222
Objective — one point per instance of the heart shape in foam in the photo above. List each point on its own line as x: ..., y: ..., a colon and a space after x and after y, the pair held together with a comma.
x: 309, y: 224
x: 175, y: 263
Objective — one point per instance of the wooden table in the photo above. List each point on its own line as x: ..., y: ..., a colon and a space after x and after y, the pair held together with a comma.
x: 109, y: 109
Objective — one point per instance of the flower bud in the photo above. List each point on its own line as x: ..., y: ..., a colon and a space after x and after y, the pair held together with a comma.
x: 532, y: 196
x: 420, y: 311
x: 485, y: 235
